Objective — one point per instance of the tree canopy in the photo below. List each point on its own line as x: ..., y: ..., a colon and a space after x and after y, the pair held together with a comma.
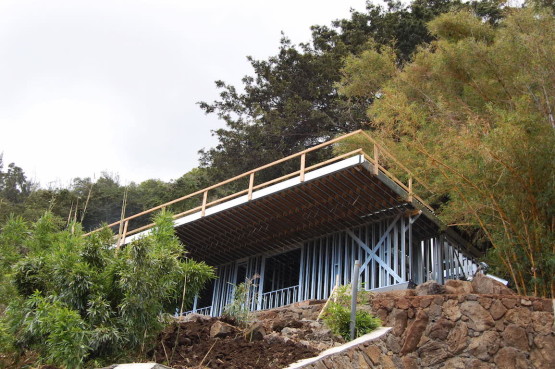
x: 454, y: 82
x: 472, y: 114
x: 291, y: 101
x: 76, y: 300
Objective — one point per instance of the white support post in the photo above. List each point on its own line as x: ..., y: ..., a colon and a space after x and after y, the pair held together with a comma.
x: 313, y: 272
x: 403, y: 251
x: 301, y: 274
x: 195, y: 301
x: 320, y: 276
x: 326, y: 269
x: 261, y: 286
x: 354, y: 294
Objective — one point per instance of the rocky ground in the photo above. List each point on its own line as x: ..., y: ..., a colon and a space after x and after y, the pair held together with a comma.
x: 277, y: 338
x: 479, y: 324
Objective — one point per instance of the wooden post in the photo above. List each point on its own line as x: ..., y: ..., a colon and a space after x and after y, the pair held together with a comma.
x: 204, y: 198
x: 409, y: 198
x: 251, y: 184
x: 122, y: 234
x: 376, y: 155
x: 303, y: 163
x: 354, y: 294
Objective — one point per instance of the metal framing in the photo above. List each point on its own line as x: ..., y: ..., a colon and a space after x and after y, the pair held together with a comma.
x: 346, y: 208
x: 385, y: 248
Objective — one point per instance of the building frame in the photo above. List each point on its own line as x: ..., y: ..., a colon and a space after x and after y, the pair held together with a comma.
x: 298, y: 236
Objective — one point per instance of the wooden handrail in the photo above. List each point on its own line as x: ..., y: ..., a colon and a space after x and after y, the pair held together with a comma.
x: 378, y: 150
x: 390, y: 156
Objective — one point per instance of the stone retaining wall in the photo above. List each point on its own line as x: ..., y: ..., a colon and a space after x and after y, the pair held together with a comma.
x: 454, y: 331
x: 468, y: 331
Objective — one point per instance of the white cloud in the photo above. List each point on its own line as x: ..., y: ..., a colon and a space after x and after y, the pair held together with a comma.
x: 87, y: 86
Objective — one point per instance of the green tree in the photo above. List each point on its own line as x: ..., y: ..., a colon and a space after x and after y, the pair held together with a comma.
x: 14, y: 185
x: 14, y: 189
x: 76, y: 299
x: 472, y: 115
x: 291, y: 101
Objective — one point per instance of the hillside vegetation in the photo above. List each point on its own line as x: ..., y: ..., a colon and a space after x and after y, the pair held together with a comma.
x: 472, y: 116
x: 462, y: 93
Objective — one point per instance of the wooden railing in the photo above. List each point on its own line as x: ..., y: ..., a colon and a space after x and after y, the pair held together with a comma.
x: 378, y: 152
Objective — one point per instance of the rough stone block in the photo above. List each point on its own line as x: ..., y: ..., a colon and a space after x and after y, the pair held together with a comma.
x: 414, y: 332
x: 485, y: 302
x: 485, y: 285
x: 515, y: 336
x: 429, y: 288
x: 542, y: 322
x: 432, y: 353
x: 402, y: 303
x: 484, y: 346
x: 387, y: 362
x: 440, y: 329
x: 255, y: 332
x: 393, y: 343
x: 519, y: 316
x: 373, y: 353
x: 409, y: 362
x: 457, y: 287
x: 479, y: 318
x: 511, y: 358
x: 457, y: 339
x: 509, y: 302
x: 497, y: 310
x: 399, y: 322
x: 424, y: 302
x: 451, y: 310
x: 544, y: 354
x: 221, y: 329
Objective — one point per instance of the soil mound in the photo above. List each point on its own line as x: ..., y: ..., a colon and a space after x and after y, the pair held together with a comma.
x: 197, y: 348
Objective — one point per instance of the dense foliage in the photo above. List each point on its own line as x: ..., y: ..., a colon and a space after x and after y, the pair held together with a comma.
x: 465, y: 72
x: 93, y: 202
x: 78, y: 302
x: 472, y: 115
x: 291, y: 101
x: 14, y: 189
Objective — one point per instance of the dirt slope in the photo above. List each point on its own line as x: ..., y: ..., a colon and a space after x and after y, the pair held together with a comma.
x: 279, y: 337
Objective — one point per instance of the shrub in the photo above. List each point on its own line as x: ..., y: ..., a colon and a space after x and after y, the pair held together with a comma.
x: 77, y: 299
x: 239, y: 308
x: 337, y: 315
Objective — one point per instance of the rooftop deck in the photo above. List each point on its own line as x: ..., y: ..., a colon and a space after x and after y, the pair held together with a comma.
x: 345, y: 191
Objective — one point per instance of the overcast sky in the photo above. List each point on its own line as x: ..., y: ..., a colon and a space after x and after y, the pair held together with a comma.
x: 110, y: 85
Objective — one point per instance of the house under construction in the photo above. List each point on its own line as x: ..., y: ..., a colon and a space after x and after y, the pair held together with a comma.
x: 301, y: 233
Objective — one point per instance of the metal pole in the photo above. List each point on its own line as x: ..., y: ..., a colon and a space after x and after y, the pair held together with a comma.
x: 195, y: 301
x: 354, y: 298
